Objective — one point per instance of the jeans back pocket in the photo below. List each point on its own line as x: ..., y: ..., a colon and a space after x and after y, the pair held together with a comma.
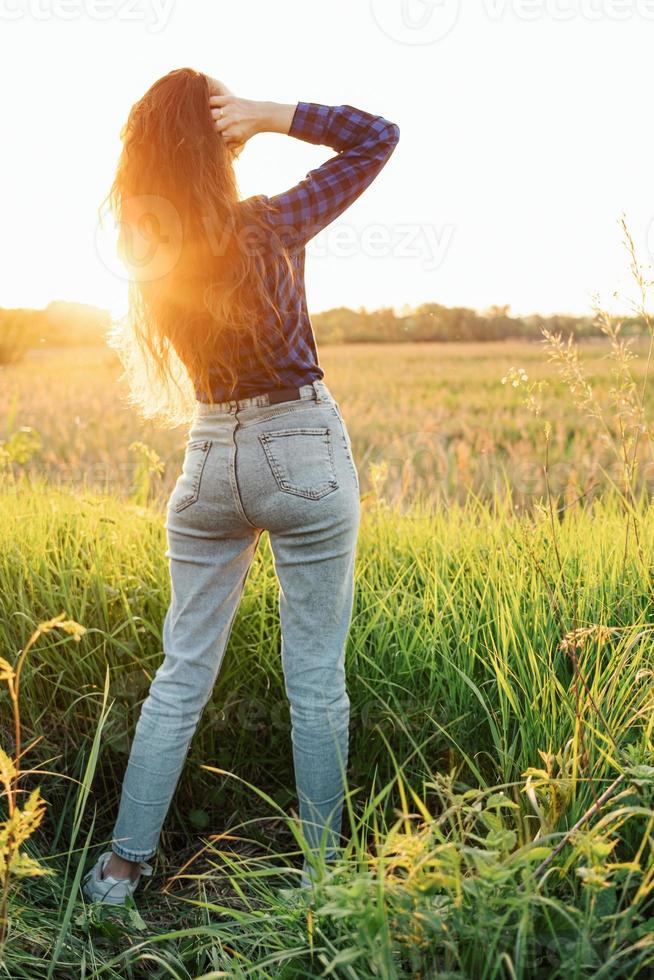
x: 301, y: 460
x: 187, y: 489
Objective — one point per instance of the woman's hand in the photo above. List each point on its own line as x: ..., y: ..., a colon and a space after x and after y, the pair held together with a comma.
x: 235, y: 119
x: 218, y: 88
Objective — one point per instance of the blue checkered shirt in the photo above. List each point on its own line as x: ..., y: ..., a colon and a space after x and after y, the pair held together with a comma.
x: 363, y: 143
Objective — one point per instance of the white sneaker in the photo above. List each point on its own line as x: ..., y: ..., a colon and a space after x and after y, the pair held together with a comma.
x: 111, y: 890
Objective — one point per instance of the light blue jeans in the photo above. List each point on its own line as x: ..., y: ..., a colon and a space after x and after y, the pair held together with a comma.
x: 249, y: 466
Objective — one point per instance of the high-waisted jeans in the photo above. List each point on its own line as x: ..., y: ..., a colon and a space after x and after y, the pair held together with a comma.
x: 288, y: 469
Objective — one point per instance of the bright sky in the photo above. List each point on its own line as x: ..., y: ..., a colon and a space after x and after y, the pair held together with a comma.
x: 525, y: 132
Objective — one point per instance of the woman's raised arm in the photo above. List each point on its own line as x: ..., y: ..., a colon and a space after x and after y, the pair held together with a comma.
x: 364, y: 143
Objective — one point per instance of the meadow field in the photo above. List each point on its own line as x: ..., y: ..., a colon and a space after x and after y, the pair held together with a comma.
x: 499, y: 822
x: 427, y: 420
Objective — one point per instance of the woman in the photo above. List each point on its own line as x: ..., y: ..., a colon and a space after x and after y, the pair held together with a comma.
x: 218, y: 334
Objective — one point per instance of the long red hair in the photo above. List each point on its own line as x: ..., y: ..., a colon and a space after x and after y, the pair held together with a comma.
x: 199, y: 291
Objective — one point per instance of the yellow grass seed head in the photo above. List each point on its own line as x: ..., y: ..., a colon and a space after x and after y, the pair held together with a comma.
x: 76, y: 630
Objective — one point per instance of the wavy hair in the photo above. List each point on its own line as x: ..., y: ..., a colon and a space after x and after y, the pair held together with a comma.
x: 199, y: 290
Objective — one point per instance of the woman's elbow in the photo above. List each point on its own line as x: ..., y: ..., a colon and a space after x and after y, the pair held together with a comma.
x: 392, y: 133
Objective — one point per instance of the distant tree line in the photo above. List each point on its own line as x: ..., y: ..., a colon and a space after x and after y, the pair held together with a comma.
x: 76, y: 324
x: 433, y: 322
x: 59, y: 325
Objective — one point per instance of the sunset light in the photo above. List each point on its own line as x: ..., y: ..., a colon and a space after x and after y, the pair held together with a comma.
x: 326, y: 489
x: 512, y: 173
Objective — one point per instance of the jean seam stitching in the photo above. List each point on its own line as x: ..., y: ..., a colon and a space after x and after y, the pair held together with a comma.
x: 194, y: 496
x: 283, y: 484
x: 348, y: 453
x: 233, y: 480
x: 296, y: 405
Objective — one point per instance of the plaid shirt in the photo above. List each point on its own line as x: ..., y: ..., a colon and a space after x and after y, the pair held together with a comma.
x: 364, y: 143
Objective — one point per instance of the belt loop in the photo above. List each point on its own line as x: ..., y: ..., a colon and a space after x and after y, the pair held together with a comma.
x: 314, y: 385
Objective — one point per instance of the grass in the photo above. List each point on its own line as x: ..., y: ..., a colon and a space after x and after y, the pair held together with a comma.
x: 474, y: 748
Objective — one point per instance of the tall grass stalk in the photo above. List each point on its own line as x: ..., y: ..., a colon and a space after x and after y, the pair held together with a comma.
x: 465, y: 745
x: 23, y: 821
